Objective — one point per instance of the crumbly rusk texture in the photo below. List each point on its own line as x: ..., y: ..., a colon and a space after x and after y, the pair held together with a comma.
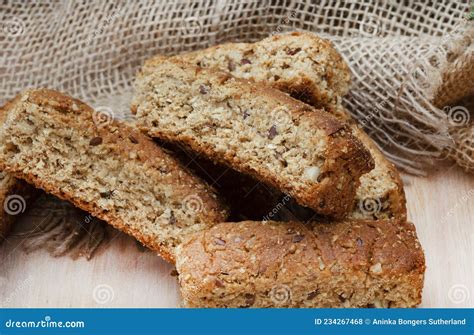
x: 306, y: 66
x: 380, y: 194
x: 310, y: 69
x: 271, y: 264
x: 116, y: 173
x: 15, y: 195
x: 14, y: 198
x: 256, y: 130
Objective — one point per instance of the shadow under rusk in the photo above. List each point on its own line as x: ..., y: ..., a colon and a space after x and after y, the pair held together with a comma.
x: 15, y: 197
x: 61, y: 229
x: 247, y: 197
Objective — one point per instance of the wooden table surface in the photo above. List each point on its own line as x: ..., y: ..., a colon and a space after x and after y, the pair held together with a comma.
x: 122, y: 275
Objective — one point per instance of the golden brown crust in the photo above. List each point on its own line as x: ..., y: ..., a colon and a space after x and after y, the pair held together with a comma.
x: 121, y: 140
x: 344, y: 159
x: 390, y: 198
x: 345, y: 264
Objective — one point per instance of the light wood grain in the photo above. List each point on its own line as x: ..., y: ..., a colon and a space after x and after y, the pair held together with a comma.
x: 441, y: 207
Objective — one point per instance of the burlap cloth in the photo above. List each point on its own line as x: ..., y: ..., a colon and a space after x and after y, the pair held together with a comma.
x: 411, y: 62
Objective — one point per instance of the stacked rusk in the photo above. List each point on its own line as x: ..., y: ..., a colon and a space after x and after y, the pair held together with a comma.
x: 271, y: 111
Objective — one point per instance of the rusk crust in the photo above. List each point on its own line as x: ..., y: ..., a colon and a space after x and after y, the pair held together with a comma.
x: 270, y: 264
